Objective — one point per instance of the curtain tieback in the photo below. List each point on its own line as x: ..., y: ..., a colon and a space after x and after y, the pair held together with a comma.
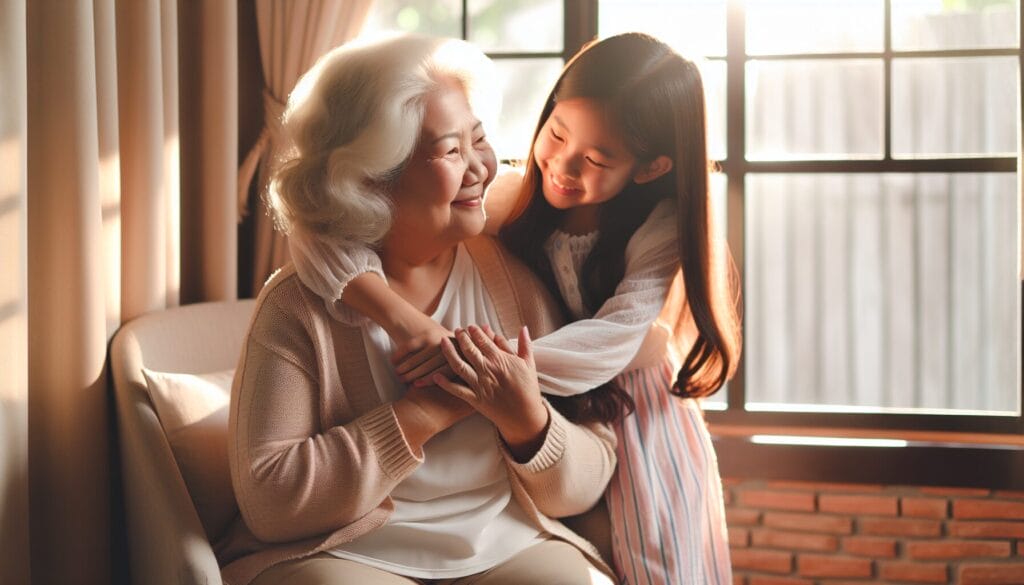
x: 257, y: 158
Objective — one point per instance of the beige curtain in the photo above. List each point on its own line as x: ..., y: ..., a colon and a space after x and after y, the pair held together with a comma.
x: 293, y: 34
x: 95, y: 157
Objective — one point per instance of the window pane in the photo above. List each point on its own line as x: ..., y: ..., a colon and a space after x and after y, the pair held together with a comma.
x: 882, y: 291
x: 814, y: 109
x: 441, y: 18
x: 955, y: 106
x: 937, y: 24
x: 696, y: 27
x: 713, y: 74
x: 814, y: 26
x: 516, y: 25
x: 525, y: 84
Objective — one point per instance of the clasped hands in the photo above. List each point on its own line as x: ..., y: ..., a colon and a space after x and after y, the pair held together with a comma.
x: 485, y: 372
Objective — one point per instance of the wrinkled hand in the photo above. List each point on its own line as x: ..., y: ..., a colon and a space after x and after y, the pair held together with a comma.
x: 417, y: 352
x: 499, y: 382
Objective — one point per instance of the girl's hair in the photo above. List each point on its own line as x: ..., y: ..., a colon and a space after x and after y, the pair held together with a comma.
x: 656, y: 99
x: 352, y: 122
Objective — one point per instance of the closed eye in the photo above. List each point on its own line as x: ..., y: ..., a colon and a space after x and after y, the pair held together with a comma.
x: 556, y: 136
x: 596, y: 164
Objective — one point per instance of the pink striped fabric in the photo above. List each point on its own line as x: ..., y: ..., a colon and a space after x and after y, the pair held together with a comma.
x: 665, y: 499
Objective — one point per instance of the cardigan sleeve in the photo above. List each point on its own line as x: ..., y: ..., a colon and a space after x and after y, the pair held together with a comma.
x: 570, y: 471
x: 589, y: 352
x: 292, y: 479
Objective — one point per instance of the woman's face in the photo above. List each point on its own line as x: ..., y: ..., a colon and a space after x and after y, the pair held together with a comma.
x: 581, y: 156
x: 439, y: 196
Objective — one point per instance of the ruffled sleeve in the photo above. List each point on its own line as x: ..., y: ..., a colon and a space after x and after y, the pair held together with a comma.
x: 327, y: 267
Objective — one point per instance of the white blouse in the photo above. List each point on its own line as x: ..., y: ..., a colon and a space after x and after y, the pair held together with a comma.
x: 455, y: 515
x: 581, y: 355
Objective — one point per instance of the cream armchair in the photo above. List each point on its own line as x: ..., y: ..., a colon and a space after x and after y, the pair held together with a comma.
x: 173, y: 440
x: 166, y: 539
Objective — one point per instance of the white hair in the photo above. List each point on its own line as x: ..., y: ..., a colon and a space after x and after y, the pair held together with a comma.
x: 353, y: 121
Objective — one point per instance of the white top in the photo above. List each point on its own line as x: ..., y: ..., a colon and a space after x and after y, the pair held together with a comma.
x: 574, y: 359
x: 455, y: 515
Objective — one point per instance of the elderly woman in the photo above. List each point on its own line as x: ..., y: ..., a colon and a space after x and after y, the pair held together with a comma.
x: 343, y: 473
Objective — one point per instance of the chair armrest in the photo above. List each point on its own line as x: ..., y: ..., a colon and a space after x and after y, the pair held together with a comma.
x: 166, y: 541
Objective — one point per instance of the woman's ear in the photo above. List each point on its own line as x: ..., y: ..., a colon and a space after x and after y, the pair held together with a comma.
x: 652, y: 170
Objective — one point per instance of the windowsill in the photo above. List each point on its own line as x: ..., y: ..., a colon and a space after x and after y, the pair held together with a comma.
x: 916, y: 458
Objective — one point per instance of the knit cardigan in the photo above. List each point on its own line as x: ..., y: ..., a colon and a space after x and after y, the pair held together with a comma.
x: 314, y: 453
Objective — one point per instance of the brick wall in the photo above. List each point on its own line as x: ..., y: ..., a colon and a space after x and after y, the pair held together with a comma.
x: 798, y: 533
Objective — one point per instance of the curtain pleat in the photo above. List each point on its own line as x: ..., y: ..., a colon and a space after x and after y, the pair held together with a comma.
x: 69, y: 469
x: 293, y: 34
x: 14, y: 482
x: 93, y: 232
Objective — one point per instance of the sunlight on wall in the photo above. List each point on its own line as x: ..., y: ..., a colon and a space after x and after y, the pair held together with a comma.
x: 13, y: 356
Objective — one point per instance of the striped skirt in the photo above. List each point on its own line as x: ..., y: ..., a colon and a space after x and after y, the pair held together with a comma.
x: 665, y: 498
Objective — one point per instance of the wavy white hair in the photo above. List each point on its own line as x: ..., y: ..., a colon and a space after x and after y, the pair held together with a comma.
x: 353, y: 121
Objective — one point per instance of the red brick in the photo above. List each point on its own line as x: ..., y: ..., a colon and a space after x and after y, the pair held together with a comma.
x: 742, y: 517
x: 914, y: 572
x: 766, y: 561
x: 988, y: 510
x: 991, y: 574
x: 731, y: 481
x: 819, y: 523
x: 727, y: 498
x: 866, y: 546
x: 858, y: 504
x: 809, y: 565
x: 739, y: 537
x: 768, y: 538
x: 776, y: 500
x: 986, y: 529
x: 1011, y: 494
x: 924, y: 507
x: 739, y: 580
x: 899, y: 527
x: 957, y: 549
x: 824, y: 487
x: 754, y: 580
x: 954, y: 491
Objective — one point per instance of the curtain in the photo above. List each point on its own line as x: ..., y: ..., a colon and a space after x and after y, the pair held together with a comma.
x: 111, y: 205
x: 293, y: 34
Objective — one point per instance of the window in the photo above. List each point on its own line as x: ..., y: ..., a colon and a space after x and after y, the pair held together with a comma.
x: 525, y: 38
x: 869, y: 153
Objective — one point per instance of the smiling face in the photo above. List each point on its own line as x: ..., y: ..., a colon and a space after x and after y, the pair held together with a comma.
x: 583, y: 160
x: 439, y: 196
x: 581, y: 157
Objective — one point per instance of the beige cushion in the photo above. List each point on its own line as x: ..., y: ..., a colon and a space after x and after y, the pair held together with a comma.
x: 193, y: 411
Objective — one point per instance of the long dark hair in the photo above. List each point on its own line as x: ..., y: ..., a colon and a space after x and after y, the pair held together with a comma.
x: 656, y: 98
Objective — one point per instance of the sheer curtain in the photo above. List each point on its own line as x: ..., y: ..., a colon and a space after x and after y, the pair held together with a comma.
x: 293, y: 34
x: 118, y: 161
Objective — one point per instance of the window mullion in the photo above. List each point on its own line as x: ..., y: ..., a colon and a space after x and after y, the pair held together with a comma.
x: 734, y: 164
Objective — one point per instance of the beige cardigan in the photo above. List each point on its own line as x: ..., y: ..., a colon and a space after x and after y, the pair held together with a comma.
x: 314, y: 453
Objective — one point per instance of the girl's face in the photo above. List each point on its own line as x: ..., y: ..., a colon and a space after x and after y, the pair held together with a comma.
x: 582, y: 157
x: 439, y: 195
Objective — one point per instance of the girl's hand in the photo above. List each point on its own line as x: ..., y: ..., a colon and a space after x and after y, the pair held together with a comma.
x: 500, y: 383
x: 418, y: 350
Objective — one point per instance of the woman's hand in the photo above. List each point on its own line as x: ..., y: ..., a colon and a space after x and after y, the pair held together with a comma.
x: 500, y: 383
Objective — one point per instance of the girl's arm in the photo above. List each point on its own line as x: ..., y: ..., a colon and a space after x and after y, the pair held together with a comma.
x: 352, y: 283
x: 590, y: 352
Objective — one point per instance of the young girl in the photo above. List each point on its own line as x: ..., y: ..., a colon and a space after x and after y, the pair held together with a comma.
x: 613, y: 203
